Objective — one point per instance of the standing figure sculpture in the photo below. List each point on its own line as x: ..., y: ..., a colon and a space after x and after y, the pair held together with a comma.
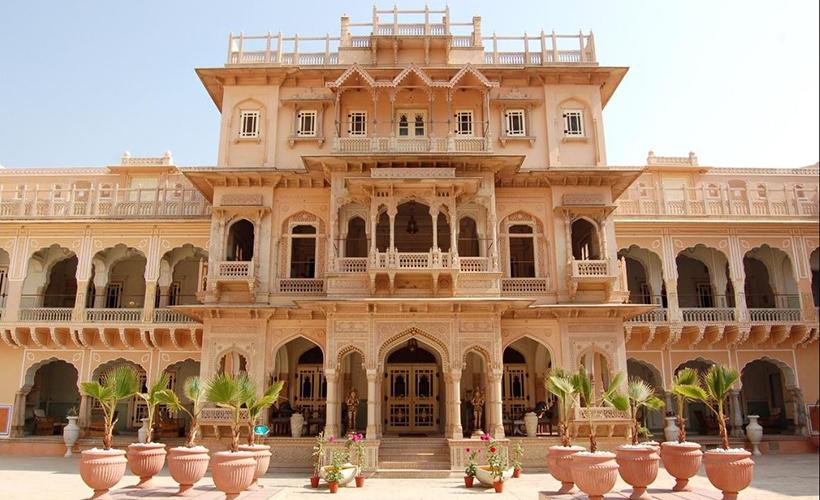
x: 478, y: 406
x: 352, y: 404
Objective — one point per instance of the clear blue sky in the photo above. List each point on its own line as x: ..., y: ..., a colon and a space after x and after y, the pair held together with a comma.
x: 83, y: 81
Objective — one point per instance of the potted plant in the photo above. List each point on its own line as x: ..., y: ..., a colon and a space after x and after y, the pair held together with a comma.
x: 560, y: 385
x: 637, y: 463
x: 146, y: 459
x: 469, y: 472
x: 518, y: 452
x: 334, y: 473
x: 318, y: 458
x: 355, y: 441
x: 595, y: 472
x: 346, y: 470
x: 71, y: 432
x: 187, y: 464
x: 497, y: 469
x: 102, y: 469
x: 255, y: 405
x: 233, y: 470
x: 729, y: 470
x: 681, y: 459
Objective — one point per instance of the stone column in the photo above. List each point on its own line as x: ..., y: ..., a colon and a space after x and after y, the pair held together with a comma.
x: 148, y: 301
x: 332, y: 406
x: 164, y: 297
x: 736, y: 419
x: 84, y: 413
x: 79, y: 300
x: 434, y: 218
x: 372, y: 377
x: 19, y: 420
x: 456, y: 430
x: 391, y: 213
x: 495, y: 424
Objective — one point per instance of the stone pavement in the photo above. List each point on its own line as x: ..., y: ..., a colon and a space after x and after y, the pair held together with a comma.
x: 34, y: 478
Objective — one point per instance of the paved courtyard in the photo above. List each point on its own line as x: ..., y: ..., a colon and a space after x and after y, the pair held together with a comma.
x: 776, y: 476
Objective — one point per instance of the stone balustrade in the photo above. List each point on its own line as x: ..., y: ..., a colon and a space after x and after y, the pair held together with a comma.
x: 524, y: 286
x: 707, y: 314
x: 171, y: 316
x: 352, y: 264
x: 123, y: 315
x: 660, y: 315
x: 774, y: 315
x: 302, y: 286
x: 367, y: 145
x: 229, y: 270
x: 46, y: 314
x: 606, y: 421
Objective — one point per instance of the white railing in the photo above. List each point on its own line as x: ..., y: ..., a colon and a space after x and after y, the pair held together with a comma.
x: 352, y: 264
x: 523, y: 286
x: 707, y: 314
x: 302, y: 286
x: 773, y: 315
x: 228, y: 270
x: 474, y: 264
x: 104, y: 315
x: 590, y: 268
x: 452, y: 144
x: 548, y: 49
x: 220, y: 416
x: 656, y: 316
x: 102, y: 202
x: 411, y: 260
x: 46, y: 314
x: 171, y: 316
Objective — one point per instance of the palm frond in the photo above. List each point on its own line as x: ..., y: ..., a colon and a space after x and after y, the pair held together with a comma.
x: 719, y: 381
x: 690, y: 392
x: 617, y: 400
x: 123, y: 382
x: 583, y: 385
x: 224, y: 390
x: 639, y: 391
x: 193, y: 389
x: 686, y: 376
x: 159, y: 385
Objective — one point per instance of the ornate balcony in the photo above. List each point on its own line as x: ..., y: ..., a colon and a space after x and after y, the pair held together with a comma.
x: 411, y: 261
x: 169, y: 316
x: 375, y: 145
x: 302, y: 286
x: 227, y: 273
x: 524, y: 286
x: 660, y: 315
x: 46, y: 314
x: 105, y: 315
x: 774, y: 315
x: 707, y: 314
x: 595, y: 275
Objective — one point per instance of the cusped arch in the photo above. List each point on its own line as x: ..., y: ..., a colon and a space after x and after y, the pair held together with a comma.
x: 656, y: 374
x: 482, y: 352
x: 112, y: 363
x: 699, y: 359
x: 790, y: 379
x: 31, y: 371
x: 522, y: 217
x: 167, y: 365
x: 413, y: 332
x: 527, y: 335
x: 303, y: 217
x: 289, y: 338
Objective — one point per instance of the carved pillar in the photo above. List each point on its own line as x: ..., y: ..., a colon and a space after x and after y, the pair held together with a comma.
x: 457, y: 431
x: 434, y: 217
x: 495, y: 424
x: 79, y: 300
x: 736, y: 419
x: 391, y: 213
x: 148, y: 300
x: 332, y: 406
x: 19, y: 420
x: 372, y: 396
x: 84, y: 413
x: 164, y: 296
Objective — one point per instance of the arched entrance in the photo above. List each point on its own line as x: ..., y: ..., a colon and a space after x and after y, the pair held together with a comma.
x: 639, y: 369
x: 765, y: 392
x: 129, y: 412
x: 52, y: 392
x: 169, y: 423
x: 412, y: 388
x: 699, y: 418
x: 300, y: 364
x: 526, y: 363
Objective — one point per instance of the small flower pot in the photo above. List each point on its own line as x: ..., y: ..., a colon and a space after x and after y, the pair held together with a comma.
x: 102, y: 469
x: 558, y: 462
x: 360, y: 481
x: 594, y: 473
x: 730, y: 471
x: 233, y: 472
x: 314, y: 481
x: 468, y: 481
x: 516, y: 473
x: 681, y: 461
x: 187, y: 466
x: 499, y: 486
x: 145, y: 460
x: 638, y: 467
x: 333, y: 486
x: 262, y: 454
x: 484, y: 474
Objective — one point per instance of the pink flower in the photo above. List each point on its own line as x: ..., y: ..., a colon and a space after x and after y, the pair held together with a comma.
x: 492, y: 449
x: 468, y: 450
x: 356, y: 437
x: 485, y: 437
x: 331, y: 439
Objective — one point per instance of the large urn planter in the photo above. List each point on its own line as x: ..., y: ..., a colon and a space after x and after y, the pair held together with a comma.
x: 638, y: 467
x: 754, y: 433
x: 262, y: 454
x: 102, y: 469
x: 71, y: 432
x: 297, y: 423
x: 187, y: 466
x: 531, y: 424
x: 145, y: 460
x: 730, y: 471
x: 594, y: 473
x: 233, y: 472
x: 671, y: 430
x: 681, y: 461
x: 349, y: 471
x: 484, y: 474
x: 558, y: 461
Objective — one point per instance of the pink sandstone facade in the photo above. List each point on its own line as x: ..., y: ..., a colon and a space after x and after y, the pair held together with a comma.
x: 414, y: 210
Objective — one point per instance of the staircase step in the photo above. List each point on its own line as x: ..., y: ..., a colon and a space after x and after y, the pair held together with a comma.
x: 412, y: 474
x: 412, y: 464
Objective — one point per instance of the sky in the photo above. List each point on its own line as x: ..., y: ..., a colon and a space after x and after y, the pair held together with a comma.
x: 83, y: 81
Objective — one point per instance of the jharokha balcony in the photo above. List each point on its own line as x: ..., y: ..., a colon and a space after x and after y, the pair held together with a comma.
x: 452, y: 144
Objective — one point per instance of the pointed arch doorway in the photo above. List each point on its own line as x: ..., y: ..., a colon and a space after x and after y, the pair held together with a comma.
x: 412, y: 385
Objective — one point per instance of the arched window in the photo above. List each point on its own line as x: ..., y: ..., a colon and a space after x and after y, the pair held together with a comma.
x: 303, y: 252
x: 712, y: 191
x: 233, y: 363
x: 240, y: 241
x: 443, y: 232
x: 356, y: 241
x: 383, y: 232
x: 585, y: 245
x: 468, y: 238
x: 522, y: 251
x: 761, y: 191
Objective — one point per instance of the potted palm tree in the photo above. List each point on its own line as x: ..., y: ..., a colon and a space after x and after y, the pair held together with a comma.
x: 595, y: 472
x: 255, y: 405
x: 187, y: 464
x: 681, y: 459
x: 729, y: 469
x: 638, y: 463
x: 146, y: 459
x: 560, y: 385
x: 232, y: 470
x: 102, y: 469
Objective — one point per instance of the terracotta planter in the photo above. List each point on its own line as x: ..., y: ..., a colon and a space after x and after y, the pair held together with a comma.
x: 233, y: 472
x: 360, y: 481
x: 102, y: 469
x: 499, y: 486
x: 516, y: 473
x: 262, y: 454
x: 145, y: 460
x: 334, y: 486
x: 468, y: 481
x: 681, y: 461
x: 729, y: 471
x: 187, y: 466
x: 594, y: 474
x: 638, y: 467
x: 558, y: 462
x: 314, y: 481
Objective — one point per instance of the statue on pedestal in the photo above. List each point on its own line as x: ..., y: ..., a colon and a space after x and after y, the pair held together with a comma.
x: 478, y: 407
x: 352, y: 404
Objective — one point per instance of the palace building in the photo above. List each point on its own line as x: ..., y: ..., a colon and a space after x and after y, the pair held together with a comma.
x: 418, y: 211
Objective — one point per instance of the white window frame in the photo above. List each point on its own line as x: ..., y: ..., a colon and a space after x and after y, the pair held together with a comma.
x: 357, y: 119
x: 574, y: 123
x: 469, y: 130
x: 533, y: 236
x: 411, y: 123
x: 292, y: 236
x: 301, y: 121
x: 508, y: 121
x: 249, y: 115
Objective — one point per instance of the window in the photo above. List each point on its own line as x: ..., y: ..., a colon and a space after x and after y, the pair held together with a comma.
x: 573, y: 123
x: 249, y: 124
x: 358, y: 123
x: 464, y: 122
x: 113, y: 295
x: 303, y: 252
x: 57, y: 192
x: 761, y: 191
x: 522, y: 252
x: 712, y: 191
x: 514, y: 119
x: 411, y: 124
x: 105, y: 192
x: 20, y: 192
x: 306, y: 123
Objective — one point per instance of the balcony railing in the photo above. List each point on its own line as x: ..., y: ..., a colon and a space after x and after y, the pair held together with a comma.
x: 103, y: 203
x: 590, y: 269
x: 774, y: 315
x: 411, y: 261
x: 105, y: 315
x: 302, y: 286
x: 656, y: 316
x: 474, y: 264
x: 230, y: 270
x: 367, y: 145
x: 707, y: 314
x: 352, y: 265
x: 46, y: 314
x: 523, y: 286
x: 171, y: 316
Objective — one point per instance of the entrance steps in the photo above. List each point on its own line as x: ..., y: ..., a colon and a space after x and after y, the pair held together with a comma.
x: 411, y: 457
